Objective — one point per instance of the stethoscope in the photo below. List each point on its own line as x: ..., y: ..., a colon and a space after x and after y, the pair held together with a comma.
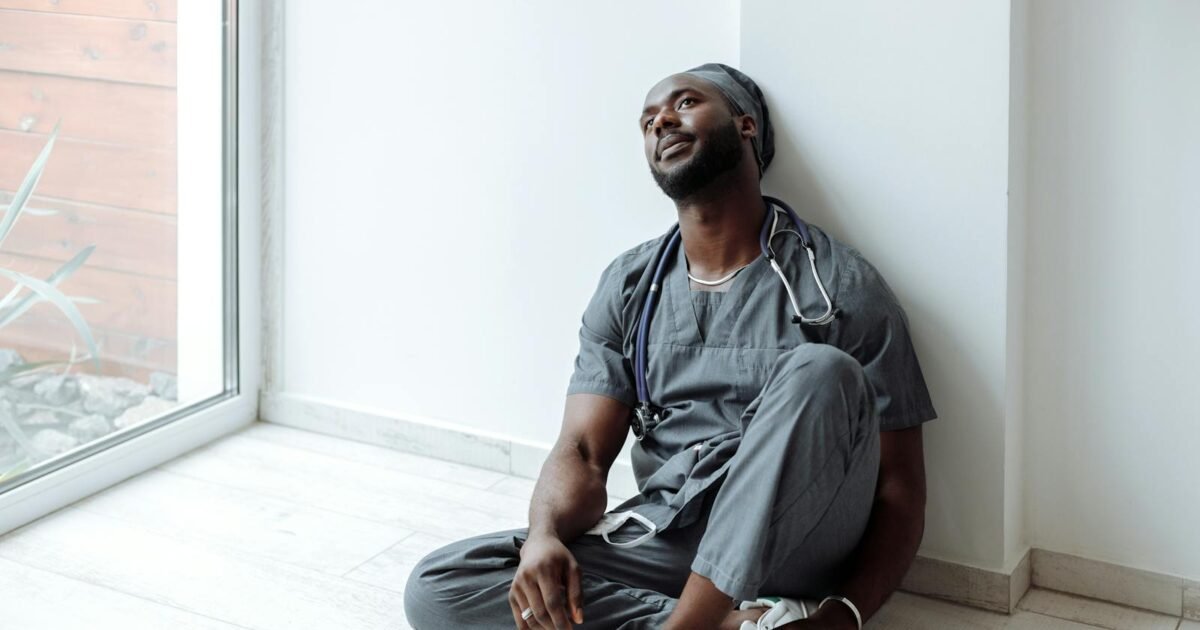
x: 646, y: 415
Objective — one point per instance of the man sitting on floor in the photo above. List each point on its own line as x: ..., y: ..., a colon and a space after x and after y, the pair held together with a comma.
x: 777, y: 403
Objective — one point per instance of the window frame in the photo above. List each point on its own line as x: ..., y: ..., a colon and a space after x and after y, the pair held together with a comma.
x: 106, y: 461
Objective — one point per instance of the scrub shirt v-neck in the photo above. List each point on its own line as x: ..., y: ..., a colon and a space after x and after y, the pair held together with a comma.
x: 704, y: 304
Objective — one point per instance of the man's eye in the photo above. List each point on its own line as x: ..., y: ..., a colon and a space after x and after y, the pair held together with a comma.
x: 686, y: 99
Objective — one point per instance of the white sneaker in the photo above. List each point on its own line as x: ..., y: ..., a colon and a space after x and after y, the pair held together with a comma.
x: 779, y: 611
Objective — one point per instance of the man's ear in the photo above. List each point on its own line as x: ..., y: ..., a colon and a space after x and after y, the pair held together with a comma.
x: 747, y: 127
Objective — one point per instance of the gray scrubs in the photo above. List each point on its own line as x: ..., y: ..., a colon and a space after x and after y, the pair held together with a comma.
x: 761, y: 475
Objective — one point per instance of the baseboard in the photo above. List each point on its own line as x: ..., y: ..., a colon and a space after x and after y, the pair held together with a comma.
x: 1159, y: 592
x: 957, y: 582
x: 423, y: 436
x: 965, y: 584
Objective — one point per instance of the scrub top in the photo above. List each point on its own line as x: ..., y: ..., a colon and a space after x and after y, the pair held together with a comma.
x: 709, y: 357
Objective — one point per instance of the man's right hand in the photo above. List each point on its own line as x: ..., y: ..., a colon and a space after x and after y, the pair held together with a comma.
x: 548, y: 580
x: 570, y: 496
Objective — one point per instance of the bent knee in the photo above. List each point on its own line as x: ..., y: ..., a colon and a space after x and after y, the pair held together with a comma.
x: 422, y: 605
x: 436, y: 585
x: 821, y: 362
x: 824, y: 376
x: 436, y: 592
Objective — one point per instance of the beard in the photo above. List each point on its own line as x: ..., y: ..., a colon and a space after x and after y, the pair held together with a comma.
x: 722, y: 153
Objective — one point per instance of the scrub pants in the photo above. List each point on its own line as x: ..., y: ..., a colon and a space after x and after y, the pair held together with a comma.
x: 784, y: 520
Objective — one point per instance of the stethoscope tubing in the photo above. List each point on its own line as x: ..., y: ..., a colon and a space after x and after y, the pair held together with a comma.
x: 805, y: 237
x: 648, y: 310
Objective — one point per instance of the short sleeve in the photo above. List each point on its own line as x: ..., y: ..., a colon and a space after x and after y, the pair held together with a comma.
x: 874, y: 330
x: 600, y: 366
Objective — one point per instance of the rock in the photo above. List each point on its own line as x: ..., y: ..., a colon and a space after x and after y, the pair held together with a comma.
x: 73, y: 409
x: 89, y: 428
x: 110, y: 396
x: 40, y: 418
x: 52, y: 442
x: 125, y: 386
x: 16, y: 395
x: 10, y: 358
x: 104, y: 401
x: 150, y: 408
x: 57, y: 389
x: 163, y: 385
x: 24, y: 381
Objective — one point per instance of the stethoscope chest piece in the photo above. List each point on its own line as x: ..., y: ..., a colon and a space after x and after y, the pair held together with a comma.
x: 645, y: 418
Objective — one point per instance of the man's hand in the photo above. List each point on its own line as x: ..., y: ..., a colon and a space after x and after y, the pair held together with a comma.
x: 569, y: 498
x: 548, y: 581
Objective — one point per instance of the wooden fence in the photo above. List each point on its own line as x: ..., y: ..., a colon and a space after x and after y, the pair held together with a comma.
x: 107, y: 70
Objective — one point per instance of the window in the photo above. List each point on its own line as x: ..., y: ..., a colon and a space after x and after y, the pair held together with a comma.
x: 117, y: 275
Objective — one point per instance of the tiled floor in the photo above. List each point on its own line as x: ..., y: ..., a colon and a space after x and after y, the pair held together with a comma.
x: 276, y: 528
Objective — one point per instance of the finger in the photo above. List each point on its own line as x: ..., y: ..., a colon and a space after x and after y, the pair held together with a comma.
x: 554, y: 595
x: 575, y: 592
x: 533, y: 600
x: 517, y: 601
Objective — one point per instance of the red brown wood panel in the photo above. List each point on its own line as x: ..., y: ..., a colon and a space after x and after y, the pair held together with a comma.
x: 141, y: 9
x: 136, y: 305
x: 101, y: 111
x: 131, y: 241
x: 111, y: 175
x: 121, y: 354
x: 131, y: 51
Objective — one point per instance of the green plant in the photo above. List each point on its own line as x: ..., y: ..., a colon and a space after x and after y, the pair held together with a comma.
x: 14, y: 469
x: 10, y: 307
x: 39, y: 290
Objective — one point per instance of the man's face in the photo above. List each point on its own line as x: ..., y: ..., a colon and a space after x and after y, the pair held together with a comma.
x: 690, y: 135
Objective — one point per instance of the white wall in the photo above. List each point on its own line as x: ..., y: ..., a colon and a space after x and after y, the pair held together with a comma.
x: 1016, y: 531
x: 457, y: 176
x: 892, y: 134
x: 1114, y: 273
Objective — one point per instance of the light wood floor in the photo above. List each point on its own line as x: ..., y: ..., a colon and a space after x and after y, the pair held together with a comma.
x: 275, y: 528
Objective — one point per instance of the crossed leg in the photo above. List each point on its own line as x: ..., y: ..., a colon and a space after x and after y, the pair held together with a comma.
x: 805, y: 473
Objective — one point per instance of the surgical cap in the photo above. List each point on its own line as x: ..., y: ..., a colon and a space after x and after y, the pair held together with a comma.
x: 744, y: 97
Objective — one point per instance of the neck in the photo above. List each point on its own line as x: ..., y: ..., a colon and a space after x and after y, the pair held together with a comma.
x: 719, y: 227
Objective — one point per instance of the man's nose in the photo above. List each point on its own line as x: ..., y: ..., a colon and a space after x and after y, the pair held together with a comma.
x: 663, y: 121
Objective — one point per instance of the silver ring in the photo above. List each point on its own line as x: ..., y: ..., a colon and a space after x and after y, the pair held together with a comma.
x: 526, y: 614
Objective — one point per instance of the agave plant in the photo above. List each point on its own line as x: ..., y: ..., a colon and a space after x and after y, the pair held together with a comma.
x: 10, y: 307
x: 39, y: 290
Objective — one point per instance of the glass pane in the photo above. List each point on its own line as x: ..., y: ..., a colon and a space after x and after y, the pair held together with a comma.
x: 111, y: 276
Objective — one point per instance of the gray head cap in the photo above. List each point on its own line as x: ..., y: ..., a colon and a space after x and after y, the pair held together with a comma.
x: 744, y: 97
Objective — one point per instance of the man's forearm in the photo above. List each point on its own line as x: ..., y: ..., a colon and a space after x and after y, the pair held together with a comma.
x: 570, y: 495
x: 883, y: 556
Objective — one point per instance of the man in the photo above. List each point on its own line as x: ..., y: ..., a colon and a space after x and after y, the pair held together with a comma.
x: 778, y: 459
